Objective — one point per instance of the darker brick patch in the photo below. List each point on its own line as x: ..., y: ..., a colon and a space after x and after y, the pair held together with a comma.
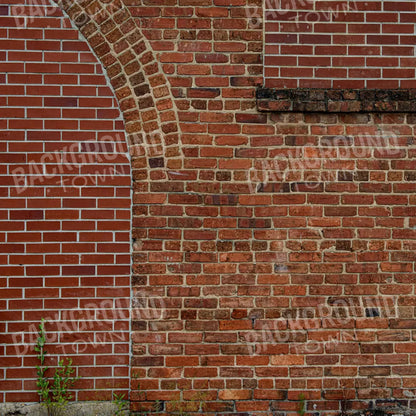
x: 221, y: 199
x: 361, y: 176
x: 146, y: 102
x: 156, y: 162
x: 336, y: 101
x: 138, y: 280
x: 254, y: 223
x: 142, y: 90
x: 345, y: 176
x: 343, y: 245
x: 223, y: 176
x: 4, y: 10
x: 372, y: 313
x: 60, y: 102
x: 78, y: 270
x: 138, y: 326
x: 300, y: 140
x: 410, y: 176
x: 26, y: 215
x: 280, y: 268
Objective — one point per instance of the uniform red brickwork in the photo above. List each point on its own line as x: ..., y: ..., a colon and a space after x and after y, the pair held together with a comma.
x: 339, y: 44
x: 273, y: 253
x: 65, y: 208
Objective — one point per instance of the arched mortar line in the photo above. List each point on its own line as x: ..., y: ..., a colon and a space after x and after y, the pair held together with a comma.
x: 142, y: 90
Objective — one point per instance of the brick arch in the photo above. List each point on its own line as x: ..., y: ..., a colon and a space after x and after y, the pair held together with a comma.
x: 148, y: 108
x: 142, y: 89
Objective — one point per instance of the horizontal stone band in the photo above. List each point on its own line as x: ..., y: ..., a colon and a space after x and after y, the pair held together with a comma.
x: 336, y: 100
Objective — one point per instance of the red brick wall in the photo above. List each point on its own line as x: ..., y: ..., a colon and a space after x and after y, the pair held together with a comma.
x: 65, y: 208
x: 273, y: 252
x: 339, y: 44
x: 295, y: 231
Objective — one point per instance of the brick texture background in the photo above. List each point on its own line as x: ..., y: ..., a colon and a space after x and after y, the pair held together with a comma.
x: 273, y: 254
x: 65, y: 207
x: 339, y: 44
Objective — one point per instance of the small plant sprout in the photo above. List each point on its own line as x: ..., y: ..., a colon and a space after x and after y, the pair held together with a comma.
x: 54, y: 394
x: 42, y: 382
x: 302, y: 405
x: 121, y: 403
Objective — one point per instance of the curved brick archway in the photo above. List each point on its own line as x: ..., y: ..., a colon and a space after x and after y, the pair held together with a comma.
x: 142, y: 89
x: 152, y: 131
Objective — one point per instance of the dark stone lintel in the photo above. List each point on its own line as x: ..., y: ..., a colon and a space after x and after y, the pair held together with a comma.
x: 315, y: 100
